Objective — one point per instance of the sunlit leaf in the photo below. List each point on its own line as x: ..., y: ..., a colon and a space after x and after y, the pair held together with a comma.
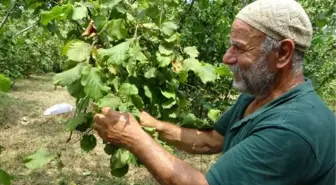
x: 38, y: 159
x: 206, y: 73
x: 214, y: 114
x: 191, y: 51
x: 111, y: 101
x: 116, y: 54
x: 93, y: 85
x: 68, y: 77
x: 168, y: 28
x: 60, y: 12
x: 79, y: 51
x: 116, y: 29
x: 79, y: 12
x: 5, y: 83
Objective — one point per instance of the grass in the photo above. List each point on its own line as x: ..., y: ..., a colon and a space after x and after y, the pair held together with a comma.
x: 24, y: 130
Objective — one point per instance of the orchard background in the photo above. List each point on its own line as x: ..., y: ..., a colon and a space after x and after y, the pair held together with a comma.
x: 160, y: 56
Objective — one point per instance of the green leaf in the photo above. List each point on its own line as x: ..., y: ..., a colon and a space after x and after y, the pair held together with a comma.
x: 163, y: 50
x: 163, y: 60
x: 76, y: 89
x: 58, y: 13
x: 116, y: 29
x: 169, y: 104
x: 116, y: 54
x: 137, y: 101
x: 88, y: 142
x: 136, y: 53
x: 168, y: 94
x: 99, y: 22
x: 38, y: 159
x: 110, y: 149
x: 183, y: 76
x: 207, y: 73
x: 5, y: 83
x: 111, y: 101
x: 204, y: 4
x: 148, y: 93
x: 214, y: 114
x: 168, y: 28
x: 68, y: 77
x: 112, y: 3
x: 87, y: 123
x: 65, y: 48
x: 79, y: 51
x: 74, y: 122
x: 149, y: 130
x: 223, y: 70
x: 5, y: 179
x: 79, y: 12
x: 6, y: 3
x: 151, y: 73
x: 189, y: 119
x: 191, y: 51
x: 173, y: 38
x: 93, y: 86
x: 191, y: 64
x: 120, y: 159
x: 127, y: 89
x: 120, y: 172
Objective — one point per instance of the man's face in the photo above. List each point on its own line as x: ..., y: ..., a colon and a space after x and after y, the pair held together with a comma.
x: 245, y: 57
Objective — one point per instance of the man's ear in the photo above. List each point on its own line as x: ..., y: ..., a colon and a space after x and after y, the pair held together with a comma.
x: 285, y: 54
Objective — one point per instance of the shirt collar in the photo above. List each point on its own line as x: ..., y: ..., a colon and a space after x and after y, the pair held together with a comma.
x: 301, y: 89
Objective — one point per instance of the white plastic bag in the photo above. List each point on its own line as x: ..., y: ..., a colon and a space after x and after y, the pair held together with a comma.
x: 58, y: 109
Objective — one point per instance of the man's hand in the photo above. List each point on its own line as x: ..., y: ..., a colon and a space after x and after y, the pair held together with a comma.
x: 147, y: 120
x: 123, y: 129
x: 117, y: 128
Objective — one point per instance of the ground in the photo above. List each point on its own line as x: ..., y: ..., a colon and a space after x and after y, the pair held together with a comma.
x: 24, y: 129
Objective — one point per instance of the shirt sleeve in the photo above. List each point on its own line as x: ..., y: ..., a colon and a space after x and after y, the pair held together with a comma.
x: 272, y: 156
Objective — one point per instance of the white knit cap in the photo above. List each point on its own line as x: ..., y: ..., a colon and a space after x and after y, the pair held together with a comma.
x: 280, y: 19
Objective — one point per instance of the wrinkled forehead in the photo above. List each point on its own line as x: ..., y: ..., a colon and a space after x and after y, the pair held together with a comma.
x: 245, y: 34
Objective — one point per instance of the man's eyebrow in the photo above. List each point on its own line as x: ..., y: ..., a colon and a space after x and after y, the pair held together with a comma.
x: 236, y: 43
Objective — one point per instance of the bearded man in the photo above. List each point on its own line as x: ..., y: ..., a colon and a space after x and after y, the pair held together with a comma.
x: 279, y: 132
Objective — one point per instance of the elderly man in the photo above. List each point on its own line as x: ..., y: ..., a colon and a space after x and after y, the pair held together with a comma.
x: 279, y: 132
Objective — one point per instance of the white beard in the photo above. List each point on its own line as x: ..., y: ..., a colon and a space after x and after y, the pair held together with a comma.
x: 256, y: 80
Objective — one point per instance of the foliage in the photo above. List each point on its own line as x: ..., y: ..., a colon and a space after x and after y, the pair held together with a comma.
x: 5, y: 179
x: 38, y: 159
x: 164, y: 57
x: 5, y: 83
x: 128, y: 58
x: 23, y: 53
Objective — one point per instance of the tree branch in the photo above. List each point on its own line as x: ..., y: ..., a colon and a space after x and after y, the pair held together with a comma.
x: 26, y: 29
x: 7, y: 15
x: 187, y: 12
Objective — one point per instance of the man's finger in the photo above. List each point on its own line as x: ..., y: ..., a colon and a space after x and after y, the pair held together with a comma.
x: 101, y: 119
x: 97, y: 127
x: 111, y: 114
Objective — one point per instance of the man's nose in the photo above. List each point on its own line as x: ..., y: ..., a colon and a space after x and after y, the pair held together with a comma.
x: 229, y: 57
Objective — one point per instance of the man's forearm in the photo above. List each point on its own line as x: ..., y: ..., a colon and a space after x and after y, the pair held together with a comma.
x: 166, y: 168
x: 190, y: 140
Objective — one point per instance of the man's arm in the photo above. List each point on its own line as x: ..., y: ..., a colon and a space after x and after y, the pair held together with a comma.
x: 166, y: 168
x: 190, y: 140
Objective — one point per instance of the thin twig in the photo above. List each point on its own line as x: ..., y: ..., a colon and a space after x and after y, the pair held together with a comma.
x: 186, y: 13
x: 26, y: 29
x: 7, y: 15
